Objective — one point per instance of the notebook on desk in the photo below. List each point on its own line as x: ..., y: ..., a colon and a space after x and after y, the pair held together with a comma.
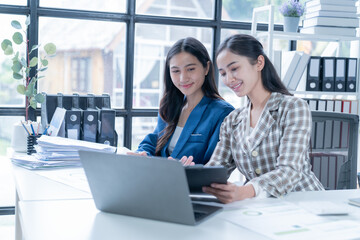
x: 154, y: 188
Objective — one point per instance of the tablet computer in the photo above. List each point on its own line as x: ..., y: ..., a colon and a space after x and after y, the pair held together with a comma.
x: 199, y: 176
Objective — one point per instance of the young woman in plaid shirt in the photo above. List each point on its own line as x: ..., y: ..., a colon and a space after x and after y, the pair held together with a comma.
x: 267, y: 140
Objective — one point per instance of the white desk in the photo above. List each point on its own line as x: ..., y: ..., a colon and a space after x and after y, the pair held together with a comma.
x: 51, y: 210
x: 30, y: 187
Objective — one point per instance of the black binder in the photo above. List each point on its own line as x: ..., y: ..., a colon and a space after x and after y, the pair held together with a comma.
x: 340, y: 66
x: 90, y: 120
x: 313, y: 74
x: 107, y: 134
x: 99, y: 104
x: 73, y: 119
x: 107, y: 126
x: 351, y: 74
x: 328, y: 74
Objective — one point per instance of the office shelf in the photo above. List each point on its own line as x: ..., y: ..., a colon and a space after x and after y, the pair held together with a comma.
x: 307, y: 37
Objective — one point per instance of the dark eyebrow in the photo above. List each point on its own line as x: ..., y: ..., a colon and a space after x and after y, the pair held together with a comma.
x: 230, y: 64
x: 227, y: 66
x: 188, y: 65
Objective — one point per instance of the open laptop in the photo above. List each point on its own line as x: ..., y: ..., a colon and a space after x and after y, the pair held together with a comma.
x: 146, y: 187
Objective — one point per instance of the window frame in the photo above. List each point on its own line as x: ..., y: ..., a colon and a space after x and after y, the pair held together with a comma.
x: 130, y: 18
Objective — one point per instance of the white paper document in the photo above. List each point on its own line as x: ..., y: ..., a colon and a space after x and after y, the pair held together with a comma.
x: 283, y: 220
x: 74, y: 177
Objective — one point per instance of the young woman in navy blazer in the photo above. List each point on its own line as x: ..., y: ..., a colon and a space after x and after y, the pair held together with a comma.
x: 267, y: 140
x: 191, y: 109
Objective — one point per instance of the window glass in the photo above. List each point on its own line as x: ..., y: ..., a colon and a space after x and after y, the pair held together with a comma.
x: 86, y: 61
x: 241, y: 10
x: 103, y: 5
x: 14, y: 2
x: 175, y: 8
x: 325, y: 49
x: 6, y: 128
x: 141, y: 126
x: 8, y: 94
x: 152, y: 43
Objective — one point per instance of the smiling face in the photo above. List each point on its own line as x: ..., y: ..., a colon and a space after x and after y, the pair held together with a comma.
x: 188, y: 74
x: 239, y: 74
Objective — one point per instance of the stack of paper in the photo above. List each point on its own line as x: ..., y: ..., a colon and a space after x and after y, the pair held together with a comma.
x: 330, y: 17
x: 58, y: 152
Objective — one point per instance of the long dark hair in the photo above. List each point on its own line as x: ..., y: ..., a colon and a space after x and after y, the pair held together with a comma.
x: 248, y: 46
x: 173, y: 100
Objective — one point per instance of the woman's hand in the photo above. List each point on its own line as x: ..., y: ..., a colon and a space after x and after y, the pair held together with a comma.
x: 137, y: 153
x: 186, y: 161
x: 230, y: 192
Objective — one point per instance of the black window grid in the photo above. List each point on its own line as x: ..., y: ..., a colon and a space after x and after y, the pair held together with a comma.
x: 131, y: 19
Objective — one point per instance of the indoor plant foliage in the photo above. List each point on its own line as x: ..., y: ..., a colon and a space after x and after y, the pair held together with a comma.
x: 21, y: 65
x: 292, y: 8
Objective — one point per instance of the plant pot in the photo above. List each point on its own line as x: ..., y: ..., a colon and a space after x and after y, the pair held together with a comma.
x: 291, y: 24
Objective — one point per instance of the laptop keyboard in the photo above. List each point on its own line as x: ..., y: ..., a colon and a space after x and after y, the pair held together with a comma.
x: 202, y: 211
x: 200, y: 215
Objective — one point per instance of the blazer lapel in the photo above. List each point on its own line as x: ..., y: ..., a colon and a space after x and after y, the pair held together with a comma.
x: 266, y: 120
x: 191, y: 123
x: 239, y: 128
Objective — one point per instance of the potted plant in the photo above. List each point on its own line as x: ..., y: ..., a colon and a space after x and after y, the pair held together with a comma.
x: 292, y: 10
x: 22, y: 65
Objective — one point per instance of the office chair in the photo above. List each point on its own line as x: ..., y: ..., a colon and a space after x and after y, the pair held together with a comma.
x: 334, y: 141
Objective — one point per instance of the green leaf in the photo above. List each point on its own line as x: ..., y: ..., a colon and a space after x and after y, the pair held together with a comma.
x: 33, y: 62
x: 21, y: 89
x: 16, y: 67
x: 23, y: 62
x: 27, y: 21
x: 30, y: 90
x: 9, y: 50
x: 33, y: 103
x: 5, y: 43
x: 44, y: 62
x: 42, y: 69
x: 27, y: 71
x: 16, y: 57
x: 39, y: 98
x: 33, y: 81
x: 50, y: 49
x: 18, y: 38
x: 33, y: 48
x: 17, y: 75
x: 40, y: 77
x: 16, y: 24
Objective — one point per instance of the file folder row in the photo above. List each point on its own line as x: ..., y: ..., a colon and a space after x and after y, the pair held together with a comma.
x: 331, y: 74
x: 87, y: 117
x: 333, y: 170
x: 330, y: 134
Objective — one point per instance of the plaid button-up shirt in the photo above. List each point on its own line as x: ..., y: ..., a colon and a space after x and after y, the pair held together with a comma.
x: 277, y: 156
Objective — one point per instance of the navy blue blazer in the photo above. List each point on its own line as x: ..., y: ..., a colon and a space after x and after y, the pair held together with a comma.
x: 199, y: 135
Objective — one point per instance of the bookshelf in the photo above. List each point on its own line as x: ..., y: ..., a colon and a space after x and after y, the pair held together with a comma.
x: 270, y: 35
x: 317, y: 96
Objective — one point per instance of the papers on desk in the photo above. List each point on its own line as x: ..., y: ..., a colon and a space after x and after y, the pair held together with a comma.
x: 31, y: 162
x: 284, y: 220
x: 54, y: 152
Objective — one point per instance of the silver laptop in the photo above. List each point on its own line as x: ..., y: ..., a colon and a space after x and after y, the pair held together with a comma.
x: 146, y: 187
